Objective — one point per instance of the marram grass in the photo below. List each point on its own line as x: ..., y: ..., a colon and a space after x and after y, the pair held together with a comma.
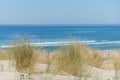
x: 24, y: 55
x: 75, y: 59
x: 71, y: 59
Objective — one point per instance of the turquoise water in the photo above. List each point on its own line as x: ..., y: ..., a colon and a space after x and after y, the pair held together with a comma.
x: 103, y: 37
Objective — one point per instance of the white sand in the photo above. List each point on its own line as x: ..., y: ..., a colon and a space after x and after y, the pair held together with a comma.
x: 102, y: 74
x: 7, y: 75
x: 8, y: 72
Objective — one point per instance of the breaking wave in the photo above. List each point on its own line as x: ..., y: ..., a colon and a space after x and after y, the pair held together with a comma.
x: 58, y: 43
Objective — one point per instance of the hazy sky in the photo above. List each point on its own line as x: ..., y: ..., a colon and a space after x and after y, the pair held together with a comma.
x: 59, y: 11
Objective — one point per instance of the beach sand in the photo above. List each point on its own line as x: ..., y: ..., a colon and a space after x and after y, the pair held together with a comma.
x: 96, y: 74
x: 105, y: 72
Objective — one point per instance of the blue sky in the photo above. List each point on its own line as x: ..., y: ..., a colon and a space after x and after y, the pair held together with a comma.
x: 59, y: 11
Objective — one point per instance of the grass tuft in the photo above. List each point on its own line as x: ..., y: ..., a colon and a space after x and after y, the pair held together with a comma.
x: 71, y: 59
x: 24, y: 55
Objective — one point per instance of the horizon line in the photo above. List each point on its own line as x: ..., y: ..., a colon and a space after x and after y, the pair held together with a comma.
x: 65, y: 24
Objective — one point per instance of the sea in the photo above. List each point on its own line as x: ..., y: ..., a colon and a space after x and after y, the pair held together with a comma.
x: 102, y: 37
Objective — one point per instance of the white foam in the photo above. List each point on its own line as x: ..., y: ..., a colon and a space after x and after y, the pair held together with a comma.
x: 66, y: 43
x: 49, y: 43
x: 59, y: 43
x: 106, y: 42
x: 6, y: 46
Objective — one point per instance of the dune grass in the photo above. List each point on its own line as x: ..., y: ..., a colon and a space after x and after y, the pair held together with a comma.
x: 71, y: 59
x: 5, y: 55
x: 24, y: 55
x: 116, y: 60
x: 95, y: 59
x: 75, y: 60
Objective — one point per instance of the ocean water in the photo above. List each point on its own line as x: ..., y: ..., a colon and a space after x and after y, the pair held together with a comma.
x: 103, y: 37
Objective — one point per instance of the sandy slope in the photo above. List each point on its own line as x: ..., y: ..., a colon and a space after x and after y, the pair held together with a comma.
x: 9, y: 73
